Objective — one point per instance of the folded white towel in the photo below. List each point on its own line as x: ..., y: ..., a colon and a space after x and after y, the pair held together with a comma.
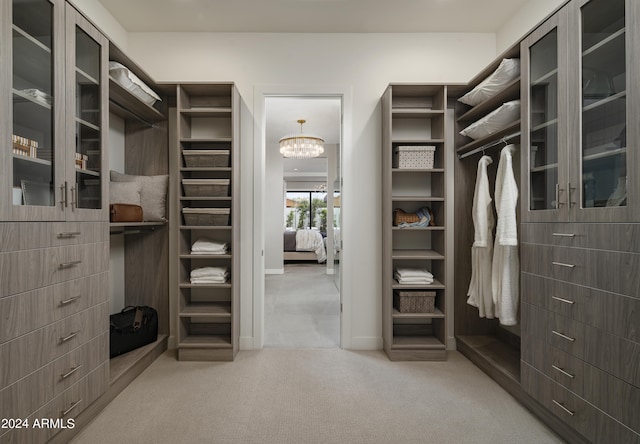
x: 208, y: 246
x: 414, y: 281
x: 209, y: 280
x: 413, y: 272
x: 209, y: 272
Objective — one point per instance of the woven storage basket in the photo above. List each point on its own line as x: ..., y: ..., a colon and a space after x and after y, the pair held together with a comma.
x: 414, y: 157
x: 206, y: 158
x: 206, y: 216
x: 414, y: 301
x: 206, y: 187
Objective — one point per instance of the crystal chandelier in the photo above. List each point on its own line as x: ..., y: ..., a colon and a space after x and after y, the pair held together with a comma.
x: 301, y: 146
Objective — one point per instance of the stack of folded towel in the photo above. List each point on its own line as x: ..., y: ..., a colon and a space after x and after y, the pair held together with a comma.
x: 209, y: 275
x: 208, y: 246
x: 413, y: 276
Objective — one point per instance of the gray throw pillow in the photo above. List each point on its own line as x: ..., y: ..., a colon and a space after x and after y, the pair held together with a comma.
x: 124, y: 193
x: 153, y: 194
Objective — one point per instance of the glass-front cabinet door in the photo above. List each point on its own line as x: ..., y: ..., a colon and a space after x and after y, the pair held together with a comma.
x: 543, y: 73
x: 32, y: 112
x: 604, y: 164
x: 87, y: 82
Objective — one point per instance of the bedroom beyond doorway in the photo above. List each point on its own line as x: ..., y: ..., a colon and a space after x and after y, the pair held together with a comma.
x: 302, y: 241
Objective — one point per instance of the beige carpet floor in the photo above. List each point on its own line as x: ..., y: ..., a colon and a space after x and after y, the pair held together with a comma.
x: 301, y: 308
x: 328, y: 395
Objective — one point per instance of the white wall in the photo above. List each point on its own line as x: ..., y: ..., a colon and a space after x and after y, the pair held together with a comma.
x: 365, y: 63
x: 362, y: 63
x: 274, y: 222
x: 527, y: 17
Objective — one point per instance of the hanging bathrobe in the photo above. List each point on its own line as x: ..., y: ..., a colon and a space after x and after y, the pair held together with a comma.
x: 506, y: 265
x: 480, y: 292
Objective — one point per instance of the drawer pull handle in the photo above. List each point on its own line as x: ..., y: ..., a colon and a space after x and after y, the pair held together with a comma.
x: 69, y: 235
x: 69, y: 301
x: 70, y: 372
x: 566, y: 301
x: 71, y: 407
x: 564, y: 234
x: 68, y: 264
x: 558, y: 369
x: 69, y: 337
x: 563, y: 336
x: 562, y: 264
x: 559, y: 404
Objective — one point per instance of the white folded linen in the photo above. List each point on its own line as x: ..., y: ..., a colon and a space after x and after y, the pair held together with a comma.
x: 209, y: 272
x: 413, y: 272
x: 208, y: 246
x: 414, y: 279
x: 209, y: 280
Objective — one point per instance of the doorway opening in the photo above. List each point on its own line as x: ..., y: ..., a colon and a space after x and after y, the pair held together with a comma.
x: 301, y: 223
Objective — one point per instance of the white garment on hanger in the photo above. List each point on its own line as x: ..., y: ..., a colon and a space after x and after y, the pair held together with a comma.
x: 506, y: 264
x: 480, y: 291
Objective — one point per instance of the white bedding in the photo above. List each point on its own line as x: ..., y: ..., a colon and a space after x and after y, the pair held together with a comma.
x: 311, y: 240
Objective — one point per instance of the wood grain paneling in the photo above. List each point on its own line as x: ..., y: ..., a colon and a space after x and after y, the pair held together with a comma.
x: 28, y: 353
x: 21, y: 399
x: 78, y: 396
x: 31, y: 235
x: 591, y: 422
x: 30, y: 269
x: 606, y: 270
x: 614, y: 313
x: 615, y: 237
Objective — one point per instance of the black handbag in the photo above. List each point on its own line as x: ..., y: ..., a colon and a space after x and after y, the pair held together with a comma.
x: 133, y: 327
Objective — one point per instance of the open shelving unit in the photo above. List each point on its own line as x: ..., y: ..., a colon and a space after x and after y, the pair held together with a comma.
x: 208, y: 313
x: 414, y: 115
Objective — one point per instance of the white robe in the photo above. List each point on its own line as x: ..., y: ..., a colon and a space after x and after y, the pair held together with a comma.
x: 506, y: 264
x: 480, y: 292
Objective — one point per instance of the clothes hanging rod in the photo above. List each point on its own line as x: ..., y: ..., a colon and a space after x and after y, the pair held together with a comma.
x: 489, y: 145
x: 132, y: 114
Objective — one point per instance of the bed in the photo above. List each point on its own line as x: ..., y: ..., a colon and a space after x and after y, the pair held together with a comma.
x: 304, y: 245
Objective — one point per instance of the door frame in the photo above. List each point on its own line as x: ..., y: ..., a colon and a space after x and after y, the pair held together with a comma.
x: 261, y: 92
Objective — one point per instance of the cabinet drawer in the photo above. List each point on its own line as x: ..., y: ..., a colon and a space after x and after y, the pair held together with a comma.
x: 16, y: 236
x: 587, y: 420
x: 24, y: 397
x: 28, y: 353
x: 65, y: 408
x: 25, y: 312
x: 604, y: 270
x: 615, y: 397
x: 611, y: 312
x: 614, y: 237
x: 30, y: 269
x: 613, y: 354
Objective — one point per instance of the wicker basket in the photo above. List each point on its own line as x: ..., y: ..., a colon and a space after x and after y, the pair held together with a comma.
x: 206, y: 187
x: 206, y: 216
x: 414, y: 157
x: 206, y: 158
x: 414, y: 301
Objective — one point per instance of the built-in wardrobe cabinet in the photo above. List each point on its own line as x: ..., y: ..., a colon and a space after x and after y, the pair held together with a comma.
x: 490, y: 345
x: 54, y: 258
x: 580, y: 240
x: 206, y: 173
x: 414, y: 115
x: 580, y: 124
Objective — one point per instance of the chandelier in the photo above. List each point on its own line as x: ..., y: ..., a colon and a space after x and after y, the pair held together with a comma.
x: 301, y: 146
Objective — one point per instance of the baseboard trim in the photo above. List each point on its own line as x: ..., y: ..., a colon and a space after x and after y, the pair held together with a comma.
x: 274, y: 271
x: 246, y: 343
x: 366, y: 343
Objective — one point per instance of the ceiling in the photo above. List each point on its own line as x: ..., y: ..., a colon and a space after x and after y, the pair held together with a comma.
x: 316, y: 16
